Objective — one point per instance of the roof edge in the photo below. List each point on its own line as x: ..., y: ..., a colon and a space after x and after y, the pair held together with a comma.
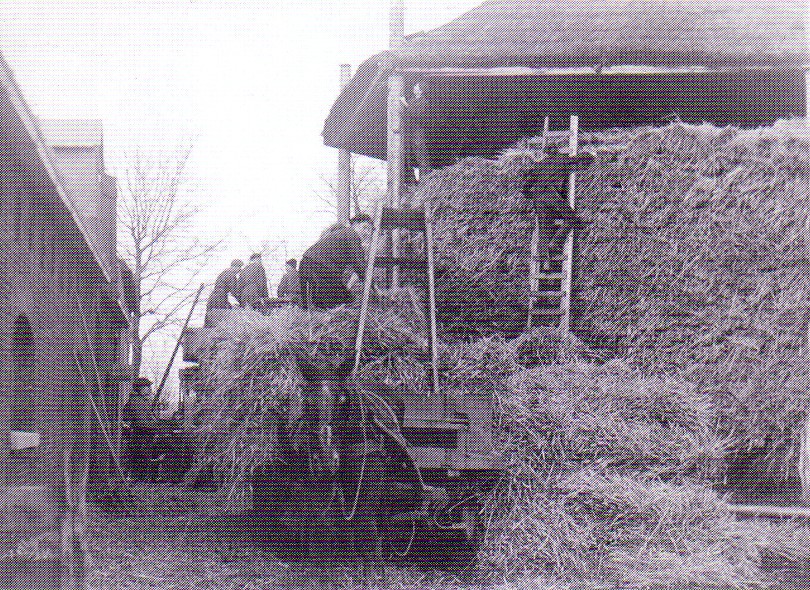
x: 46, y: 155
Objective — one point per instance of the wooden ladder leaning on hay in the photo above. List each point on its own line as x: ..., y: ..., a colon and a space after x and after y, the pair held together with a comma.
x: 414, y: 220
x: 550, y: 288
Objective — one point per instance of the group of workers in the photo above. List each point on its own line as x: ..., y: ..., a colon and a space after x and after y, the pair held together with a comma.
x: 324, y: 279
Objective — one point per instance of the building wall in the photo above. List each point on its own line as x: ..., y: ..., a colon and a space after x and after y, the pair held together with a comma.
x: 50, y: 281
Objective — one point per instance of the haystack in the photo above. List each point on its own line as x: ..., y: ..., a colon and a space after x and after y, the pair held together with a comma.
x: 693, y: 258
x: 607, y: 481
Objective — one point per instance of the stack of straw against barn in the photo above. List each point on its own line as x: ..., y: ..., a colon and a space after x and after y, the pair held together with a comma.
x: 691, y: 269
x: 692, y: 258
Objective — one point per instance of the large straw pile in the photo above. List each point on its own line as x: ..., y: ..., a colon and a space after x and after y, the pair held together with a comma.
x: 249, y: 367
x: 693, y: 258
x: 605, y: 472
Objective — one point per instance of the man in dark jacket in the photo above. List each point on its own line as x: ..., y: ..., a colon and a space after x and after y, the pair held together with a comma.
x: 546, y: 186
x: 227, y: 283
x: 322, y: 266
x: 290, y: 287
x: 414, y: 122
x: 140, y: 417
x: 252, y: 283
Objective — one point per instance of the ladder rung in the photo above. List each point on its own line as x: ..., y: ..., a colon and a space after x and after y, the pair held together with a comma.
x: 548, y: 294
x: 387, y: 261
x: 547, y: 276
x: 546, y: 311
x: 410, y: 219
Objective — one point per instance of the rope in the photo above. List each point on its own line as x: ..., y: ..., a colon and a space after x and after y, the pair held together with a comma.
x: 359, y: 485
x: 410, y: 543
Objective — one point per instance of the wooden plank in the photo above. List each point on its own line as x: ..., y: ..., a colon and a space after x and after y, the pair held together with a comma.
x: 769, y: 511
x: 415, y: 263
x: 534, y: 261
x: 434, y: 353
x: 514, y: 71
x: 24, y: 440
x: 534, y: 265
x: 568, y: 250
x: 804, y: 450
x: 372, y: 255
x: 548, y: 276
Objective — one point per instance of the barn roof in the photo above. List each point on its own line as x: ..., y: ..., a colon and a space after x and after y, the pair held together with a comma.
x: 48, y: 159
x: 593, y: 34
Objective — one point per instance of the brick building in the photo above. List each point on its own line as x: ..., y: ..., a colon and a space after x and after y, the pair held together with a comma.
x: 60, y: 328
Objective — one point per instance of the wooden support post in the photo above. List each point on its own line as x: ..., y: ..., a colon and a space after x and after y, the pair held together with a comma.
x: 395, y: 140
x: 568, y: 251
x: 804, y: 446
x: 372, y: 257
x: 344, y: 195
x: 431, y: 269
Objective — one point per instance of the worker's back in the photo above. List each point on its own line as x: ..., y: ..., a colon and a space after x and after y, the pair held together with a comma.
x: 252, y: 283
x: 341, y: 247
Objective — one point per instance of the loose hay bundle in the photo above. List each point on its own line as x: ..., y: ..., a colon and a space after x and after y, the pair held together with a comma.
x: 248, y: 365
x: 563, y: 416
x: 604, y: 482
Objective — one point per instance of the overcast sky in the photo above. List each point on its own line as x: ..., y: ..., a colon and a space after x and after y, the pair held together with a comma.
x: 252, y: 80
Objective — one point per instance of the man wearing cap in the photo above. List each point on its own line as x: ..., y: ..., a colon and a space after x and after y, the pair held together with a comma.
x: 322, y: 266
x: 227, y: 283
x: 290, y: 286
x: 252, y: 283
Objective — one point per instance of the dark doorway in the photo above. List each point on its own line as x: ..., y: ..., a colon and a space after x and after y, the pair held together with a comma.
x: 23, y: 415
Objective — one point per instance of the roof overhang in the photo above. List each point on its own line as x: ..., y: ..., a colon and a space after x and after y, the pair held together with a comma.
x: 624, y: 70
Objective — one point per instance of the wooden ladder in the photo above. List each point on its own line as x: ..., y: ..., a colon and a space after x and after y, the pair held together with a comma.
x: 551, y: 271
x: 414, y: 220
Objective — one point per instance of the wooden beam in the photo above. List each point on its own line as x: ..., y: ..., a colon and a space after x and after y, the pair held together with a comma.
x: 344, y: 192
x: 395, y: 155
x: 568, y: 249
x: 431, y: 269
x: 769, y: 511
x: 452, y: 72
x: 804, y: 447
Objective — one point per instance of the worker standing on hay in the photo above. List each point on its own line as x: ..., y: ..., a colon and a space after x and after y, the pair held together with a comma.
x: 252, y: 283
x: 140, y: 418
x: 546, y: 186
x: 227, y: 283
x: 322, y: 266
x: 290, y: 285
x: 414, y: 119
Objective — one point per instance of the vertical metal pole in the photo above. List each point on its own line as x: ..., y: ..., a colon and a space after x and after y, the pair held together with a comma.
x: 568, y: 252
x: 344, y: 196
x: 395, y: 142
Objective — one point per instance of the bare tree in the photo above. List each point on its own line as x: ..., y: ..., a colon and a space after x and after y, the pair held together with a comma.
x: 156, y: 213
x: 367, y: 185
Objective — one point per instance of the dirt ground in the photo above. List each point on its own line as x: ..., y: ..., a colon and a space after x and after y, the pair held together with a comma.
x: 178, y: 552
x: 170, y: 546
